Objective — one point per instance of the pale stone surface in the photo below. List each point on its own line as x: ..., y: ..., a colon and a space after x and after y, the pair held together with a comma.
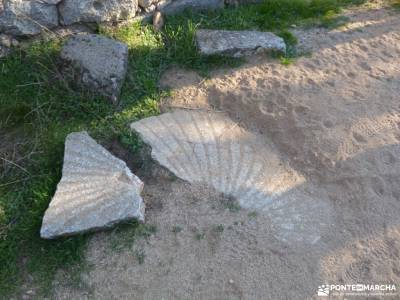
x: 237, y: 43
x: 4, y: 51
x: 101, y: 63
x: 21, y: 17
x: 158, y: 21
x: 96, y: 191
x: 180, y: 5
x: 74, y: 11
x: 209, y: 148
x: 146, y: 3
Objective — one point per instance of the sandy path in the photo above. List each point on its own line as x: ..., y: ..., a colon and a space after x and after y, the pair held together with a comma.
x: 334, y: 118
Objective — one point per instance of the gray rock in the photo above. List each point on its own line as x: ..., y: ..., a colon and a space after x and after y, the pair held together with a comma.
x: 74, y: 11
x: 6, y: 40
x: 146, y: 3
x: 179, y: 6
x: 4, y: 51
x: 98, y: 63
x: 237, y: 43
x: 97, y: 190
x: 21, y: 17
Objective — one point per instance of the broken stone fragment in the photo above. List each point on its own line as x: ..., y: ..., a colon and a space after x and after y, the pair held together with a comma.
x: 237, y: 43
x: 74, y: 11
x: 20, y: 17
x: 210, y: 149
x: 98, y: 63
x: 97, y: 190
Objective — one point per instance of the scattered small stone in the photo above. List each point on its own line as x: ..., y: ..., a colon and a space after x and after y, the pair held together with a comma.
x: 30, y: 292
x: 231, y: 281
x: 5, y: 40
x: 237, y: 43
x: 97, y: 190
x: 99, y: 63
x: 4, y: 51
x: 158, y: 21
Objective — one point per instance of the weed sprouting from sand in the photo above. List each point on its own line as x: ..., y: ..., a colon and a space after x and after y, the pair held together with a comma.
x: 140, y: 256
x: 200, y: 235
x: 252, y: 214
x: 291, y: 51
x: 126, y: 234
x: 177, y: 229
x: 219, y: 228
x: 230, y: 203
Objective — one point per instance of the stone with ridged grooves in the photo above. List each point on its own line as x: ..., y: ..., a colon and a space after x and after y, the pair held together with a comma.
x: 97, y: 190
x: 209, y: 148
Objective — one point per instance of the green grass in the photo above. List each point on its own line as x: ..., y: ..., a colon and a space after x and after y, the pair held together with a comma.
x: 219, y: 228
x: 252, y: 214
x: 395, y: 4
x: 230, y: 203
x: 140, y: 256
x: 199, y: 236
x: 273, y: 15
x: 38, y: 108
x: 125, y: 235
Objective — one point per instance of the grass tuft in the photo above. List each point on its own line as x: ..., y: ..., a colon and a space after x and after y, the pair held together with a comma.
x: 395, y: 4
x: 177, y: 229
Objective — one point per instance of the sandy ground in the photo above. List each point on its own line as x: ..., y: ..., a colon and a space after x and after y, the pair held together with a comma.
x: 334, y: 117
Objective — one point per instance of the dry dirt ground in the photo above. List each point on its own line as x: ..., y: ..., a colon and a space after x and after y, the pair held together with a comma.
x: 334, y: 117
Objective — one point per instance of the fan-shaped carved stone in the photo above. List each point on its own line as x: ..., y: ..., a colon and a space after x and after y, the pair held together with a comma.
x: 209, y: 148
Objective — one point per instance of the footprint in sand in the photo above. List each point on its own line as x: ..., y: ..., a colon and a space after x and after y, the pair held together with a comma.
x: 301, y: 110
x: 328, y: 124
x: 365, y: 66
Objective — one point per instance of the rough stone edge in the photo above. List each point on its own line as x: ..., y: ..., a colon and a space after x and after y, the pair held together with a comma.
x: 129, y: 173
